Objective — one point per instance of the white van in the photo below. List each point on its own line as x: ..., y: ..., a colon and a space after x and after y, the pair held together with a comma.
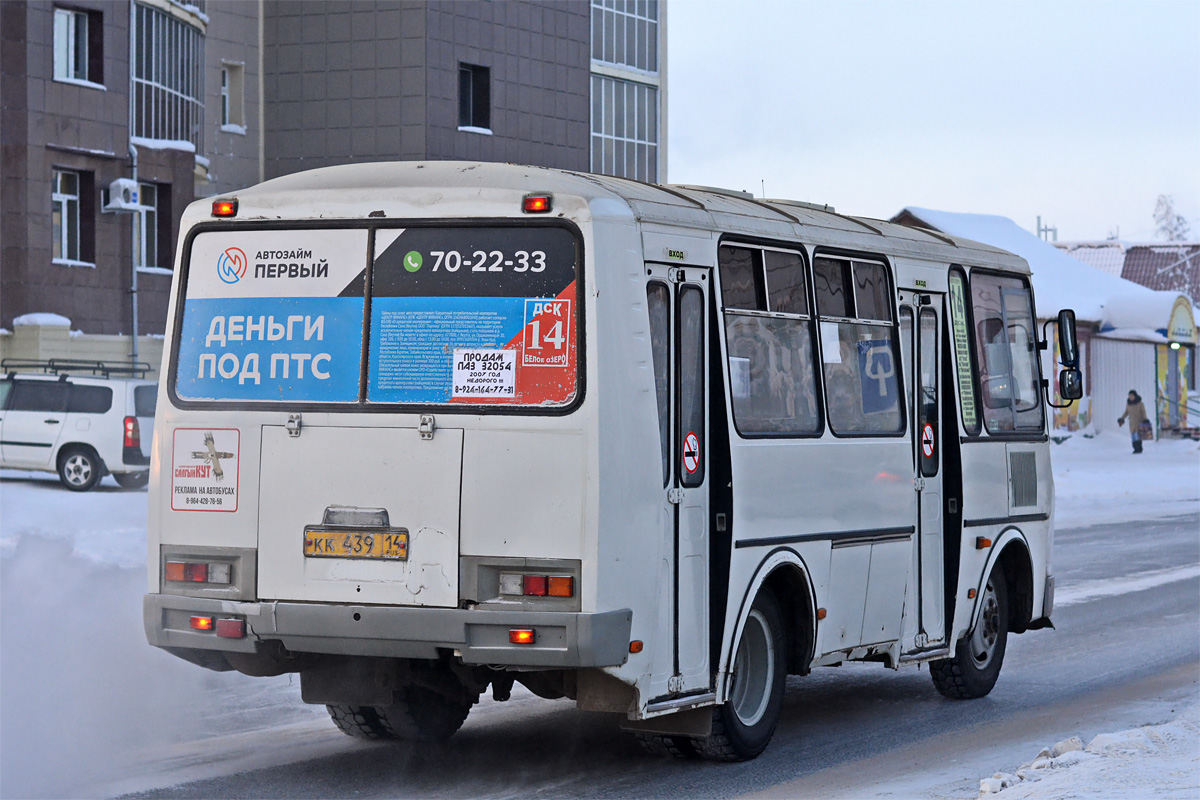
x: 430, y: 428
x: 81, y: 419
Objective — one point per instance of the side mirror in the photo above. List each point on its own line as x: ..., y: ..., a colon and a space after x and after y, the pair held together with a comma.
x: 1070, y: 384
x: 1068, y: 345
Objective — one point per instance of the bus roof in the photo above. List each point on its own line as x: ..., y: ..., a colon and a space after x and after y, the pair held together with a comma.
x: 331, y: 192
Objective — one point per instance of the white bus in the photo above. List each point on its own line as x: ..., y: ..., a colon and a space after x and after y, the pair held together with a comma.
x: 430, y: 428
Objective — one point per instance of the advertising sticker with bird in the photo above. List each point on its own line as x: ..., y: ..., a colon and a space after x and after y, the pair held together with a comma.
x: 204, y: 469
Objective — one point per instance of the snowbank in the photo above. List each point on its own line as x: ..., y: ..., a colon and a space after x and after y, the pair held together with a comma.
x: 1160, y: 761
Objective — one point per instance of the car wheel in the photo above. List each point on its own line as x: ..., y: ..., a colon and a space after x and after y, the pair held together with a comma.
x: 79, y: 469
x: 132, y: 480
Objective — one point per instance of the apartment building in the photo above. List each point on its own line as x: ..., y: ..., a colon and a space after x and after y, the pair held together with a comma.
x: 115, y: 115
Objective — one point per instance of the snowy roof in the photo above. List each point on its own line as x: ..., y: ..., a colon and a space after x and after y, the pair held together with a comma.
x: 1108, y: 256
x: 1059, y: 281
x: 1164, y: 266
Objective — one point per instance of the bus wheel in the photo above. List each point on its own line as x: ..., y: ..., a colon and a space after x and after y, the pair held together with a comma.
x: 744, y: 723
x: 976, y: 664
x: 422, y: 715
x: 132, y: 480
x: 662, y: 745
x: 361, y: 722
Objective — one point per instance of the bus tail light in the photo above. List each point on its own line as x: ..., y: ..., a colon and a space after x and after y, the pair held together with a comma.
x: 516, y: 584
x: 201, y: 623
x: 193, y: 572
x: 224, y: 208
x: 521, y: 636
x: 133, y: 436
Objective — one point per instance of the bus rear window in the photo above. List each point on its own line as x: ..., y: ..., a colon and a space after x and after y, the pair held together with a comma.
x: 474, y: 315
x: 457, y: 315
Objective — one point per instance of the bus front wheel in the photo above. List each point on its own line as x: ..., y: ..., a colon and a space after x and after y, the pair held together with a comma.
x: 745, y: 722
x: 973, y: 670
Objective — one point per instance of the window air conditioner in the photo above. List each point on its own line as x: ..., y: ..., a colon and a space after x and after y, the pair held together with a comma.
x: 122, y: 195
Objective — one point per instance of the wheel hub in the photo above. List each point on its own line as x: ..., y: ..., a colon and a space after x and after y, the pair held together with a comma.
x: 79, y: 469
x: 753, y: 670
x: 983, y: 640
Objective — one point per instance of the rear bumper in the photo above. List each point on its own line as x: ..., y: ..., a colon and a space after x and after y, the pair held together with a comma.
x: 133, y: 457
x: 562, y: 638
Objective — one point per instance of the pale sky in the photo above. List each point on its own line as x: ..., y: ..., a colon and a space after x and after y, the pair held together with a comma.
x: 1080, y: 111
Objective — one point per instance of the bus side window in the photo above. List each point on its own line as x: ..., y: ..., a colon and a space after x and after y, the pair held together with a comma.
x: 859, y: 350
x: 691, y: 352
x: 658, y: 302
x: 1005, y: 336
x: 769, y: 334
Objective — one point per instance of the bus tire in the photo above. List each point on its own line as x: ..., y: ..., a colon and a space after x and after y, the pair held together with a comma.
x: 421, y: 715
x: 663, y: 746
x: 973, y: 670
x: 132, y: 480
x: 743, y: 725
x: 361, y: 722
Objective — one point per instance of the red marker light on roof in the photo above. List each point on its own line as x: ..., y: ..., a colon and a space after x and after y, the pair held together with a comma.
x: 224, y: 208
x: 536, y: 203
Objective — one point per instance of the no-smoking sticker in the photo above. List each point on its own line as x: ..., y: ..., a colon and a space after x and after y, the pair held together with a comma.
x: 927, y: 440
x: 691, y: 453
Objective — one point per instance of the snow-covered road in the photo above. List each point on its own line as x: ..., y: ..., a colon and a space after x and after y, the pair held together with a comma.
x: 87, y: 708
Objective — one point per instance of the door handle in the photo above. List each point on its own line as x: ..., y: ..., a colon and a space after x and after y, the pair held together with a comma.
x: 50, y: 421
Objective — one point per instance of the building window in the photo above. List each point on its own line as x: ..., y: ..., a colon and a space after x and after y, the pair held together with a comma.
x: 626, y: 89
x: 78, y: 46
x: 145, y: 226
x: 233, y: 117
x: 64, y: 216
x: 625, y: 33
x: 474, y: 97
x: 167, y: 85
x: 624, y: 128
x: 152, y: 227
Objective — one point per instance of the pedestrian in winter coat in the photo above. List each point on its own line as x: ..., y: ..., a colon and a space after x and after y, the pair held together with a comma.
x: 1136, y: 412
